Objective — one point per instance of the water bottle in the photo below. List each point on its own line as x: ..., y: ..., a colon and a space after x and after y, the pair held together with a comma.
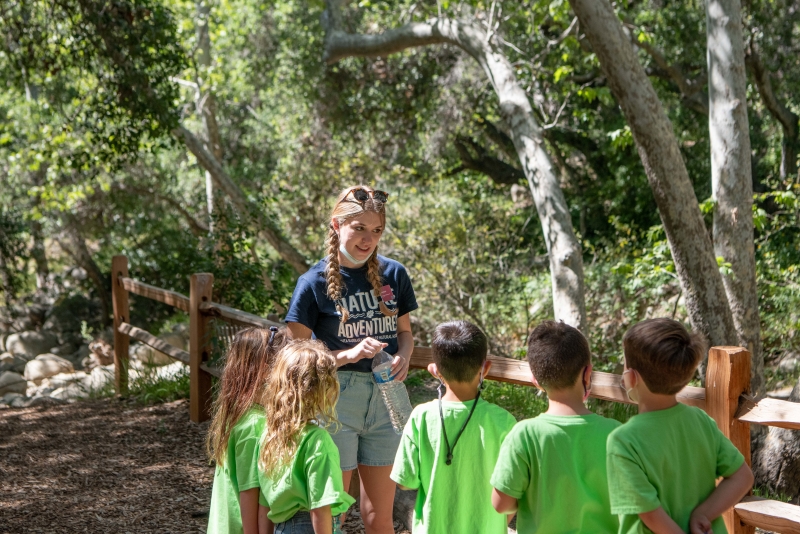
x: 393, y: 391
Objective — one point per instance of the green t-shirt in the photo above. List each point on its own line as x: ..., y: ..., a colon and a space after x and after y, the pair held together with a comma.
x: 240, y: 473
x: 555, y: 466
x: 456, y: 497
x: 312, y: 479
x: 669, y: 458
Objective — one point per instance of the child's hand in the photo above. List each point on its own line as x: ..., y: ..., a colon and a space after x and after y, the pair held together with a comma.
x: 699, y: 523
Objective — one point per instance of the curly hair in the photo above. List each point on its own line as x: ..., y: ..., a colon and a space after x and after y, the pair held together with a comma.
x: 247, y: 368
x: 333, y: 276
x: 303, y: 389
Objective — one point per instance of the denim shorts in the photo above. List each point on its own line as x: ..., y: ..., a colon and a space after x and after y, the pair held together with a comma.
x: 366, y: 436
x: 299, y: 523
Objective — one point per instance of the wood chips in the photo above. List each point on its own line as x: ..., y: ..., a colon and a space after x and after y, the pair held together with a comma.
x: 106, y: 466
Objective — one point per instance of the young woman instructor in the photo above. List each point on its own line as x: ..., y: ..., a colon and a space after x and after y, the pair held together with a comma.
x: 358, y: 303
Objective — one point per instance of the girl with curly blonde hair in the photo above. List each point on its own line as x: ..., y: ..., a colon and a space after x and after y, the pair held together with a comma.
x: 358, y: 303
x: 301, y: 480
x: 235, y: 430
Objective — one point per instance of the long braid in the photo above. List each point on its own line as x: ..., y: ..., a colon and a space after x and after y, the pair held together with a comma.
x: 333, y: 277
x: 374, y: 277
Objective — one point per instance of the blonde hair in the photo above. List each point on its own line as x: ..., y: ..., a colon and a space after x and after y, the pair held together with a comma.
x: 342, y: 211
x: 247, y: 368
x: 302, y: 389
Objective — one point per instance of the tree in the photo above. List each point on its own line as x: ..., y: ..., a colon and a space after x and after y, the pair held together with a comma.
x: 565, y: 256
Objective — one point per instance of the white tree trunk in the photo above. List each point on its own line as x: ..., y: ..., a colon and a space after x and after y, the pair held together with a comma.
x: 566, y: 261
x: 731, y: 178
x: 658, y: 149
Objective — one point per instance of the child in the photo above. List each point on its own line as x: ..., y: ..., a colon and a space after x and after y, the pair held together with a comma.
x: 664, y: 462
x: 235, y: 430
x: 552, y: 468
x: 450, y: 446
x: 301, y: 480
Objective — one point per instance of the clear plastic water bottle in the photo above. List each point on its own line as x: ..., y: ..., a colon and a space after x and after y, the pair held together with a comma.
x: 394, y: 392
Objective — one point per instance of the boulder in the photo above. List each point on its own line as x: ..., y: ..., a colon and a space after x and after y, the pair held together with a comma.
x: 12, y: 383
x: 101, y: 377
x: 12, y: 362
x: 42, y: 401
x: 150, y: 356
x: 18, y: 402
x: 8, y: 398
x: 63, y: 380
x: 31, y: 343
x: 79, y: 356
x: 71, y: 391
x: 789, y: 364
x: 171, y: 371
x: 45, y: 366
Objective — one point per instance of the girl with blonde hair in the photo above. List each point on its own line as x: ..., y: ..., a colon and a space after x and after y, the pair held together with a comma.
x: 236, y: 429
x: 301, y: 479
x: 358, y: 303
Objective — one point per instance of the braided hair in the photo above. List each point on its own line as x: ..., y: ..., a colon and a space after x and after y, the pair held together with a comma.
x: 333, y: 275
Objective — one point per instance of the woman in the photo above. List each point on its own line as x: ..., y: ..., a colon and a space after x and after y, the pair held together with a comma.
x: 358, y: 303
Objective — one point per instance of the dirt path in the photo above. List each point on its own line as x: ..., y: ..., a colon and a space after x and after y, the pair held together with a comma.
x: 105, y: 466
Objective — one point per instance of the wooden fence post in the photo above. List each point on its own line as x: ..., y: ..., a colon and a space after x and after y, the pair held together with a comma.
x: 119, y: 298
x: 727, y: 378
x: 201, y: 288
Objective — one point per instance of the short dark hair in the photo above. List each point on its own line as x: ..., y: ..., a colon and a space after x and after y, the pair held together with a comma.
x: 664, y: 353
x: 557, y: 353
x: 459, y: 350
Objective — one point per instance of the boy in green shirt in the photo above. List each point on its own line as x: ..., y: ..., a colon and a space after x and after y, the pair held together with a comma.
x: 664, y: 462
x: 552, y: 468
x: 449, y: 447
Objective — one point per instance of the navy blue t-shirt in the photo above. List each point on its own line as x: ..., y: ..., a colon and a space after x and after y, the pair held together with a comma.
x: 310, y: 306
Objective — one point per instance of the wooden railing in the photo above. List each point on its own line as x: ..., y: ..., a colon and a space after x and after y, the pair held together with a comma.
x: 725, y: 398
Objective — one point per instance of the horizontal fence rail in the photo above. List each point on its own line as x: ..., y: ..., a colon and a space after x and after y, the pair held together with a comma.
x: 725, y: 398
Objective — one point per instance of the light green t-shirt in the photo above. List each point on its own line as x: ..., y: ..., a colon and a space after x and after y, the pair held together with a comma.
x: 312, y: 479
x: 669, y: 458
x: 457, y: 497
x: 240, y: 473
x: 555, y: 466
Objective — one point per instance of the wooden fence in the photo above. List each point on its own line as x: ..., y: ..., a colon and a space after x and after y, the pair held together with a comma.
x: 725, y: 398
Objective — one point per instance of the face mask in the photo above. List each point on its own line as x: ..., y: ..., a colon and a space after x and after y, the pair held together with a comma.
x: 351, y: 259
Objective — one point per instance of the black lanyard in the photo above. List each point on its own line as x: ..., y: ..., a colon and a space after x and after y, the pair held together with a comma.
x: 450, y: 449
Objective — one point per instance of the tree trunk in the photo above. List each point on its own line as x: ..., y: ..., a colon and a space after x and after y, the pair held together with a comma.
x: 7, y: 280
x: 80, y: 253
x: 40, y: 257
x: 776, y: 460
x: 689, y: 241
x: 247, y: 208
x: 731, y: 176
x: 566, y: 261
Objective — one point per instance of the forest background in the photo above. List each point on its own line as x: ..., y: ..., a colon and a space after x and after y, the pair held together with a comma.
x: 213, y: 136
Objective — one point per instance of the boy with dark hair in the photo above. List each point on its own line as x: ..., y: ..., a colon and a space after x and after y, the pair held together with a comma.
x: 552, y: 468
x: 663, y: 463
x: 449, y: 447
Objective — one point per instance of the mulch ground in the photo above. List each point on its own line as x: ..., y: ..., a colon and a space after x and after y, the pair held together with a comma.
x: 106, y: 466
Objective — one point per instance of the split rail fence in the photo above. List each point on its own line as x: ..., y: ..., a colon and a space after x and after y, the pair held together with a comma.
x: 725, y: 398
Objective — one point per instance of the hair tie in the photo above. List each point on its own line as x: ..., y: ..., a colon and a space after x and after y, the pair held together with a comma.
x: 272, y: 330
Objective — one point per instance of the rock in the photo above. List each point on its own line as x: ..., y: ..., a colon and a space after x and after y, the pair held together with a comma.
x: 12, y: 383
x: 46, y: 365
x: 19, y: 402
x: 65, y: 349
x: 171, y: 371
x: 150, y: 356
x: 71, y: 391
x: 782, y: 393
x: 8, y: 398
x: 789, y: 364
x: 79, y: 356
x: 12, y: 362
x: 101, y: 377
x: 31, y: 343
x: 63, y: 380
x: 103, y: 351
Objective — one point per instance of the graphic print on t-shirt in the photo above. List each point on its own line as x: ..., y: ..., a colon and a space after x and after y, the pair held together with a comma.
x: 366, y: 318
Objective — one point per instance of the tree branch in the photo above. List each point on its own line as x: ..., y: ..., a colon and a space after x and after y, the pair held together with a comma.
x: 198, y: 228
x: 243, y: 204
x: 691, y: 90
x: 499, y: 171
x: 787, y: 119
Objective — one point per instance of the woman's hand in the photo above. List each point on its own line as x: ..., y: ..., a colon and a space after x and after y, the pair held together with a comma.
x: 400, y: 368
x: 368, y: 348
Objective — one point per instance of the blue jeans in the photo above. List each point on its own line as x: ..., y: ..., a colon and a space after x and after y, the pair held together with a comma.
x: 299, y: 523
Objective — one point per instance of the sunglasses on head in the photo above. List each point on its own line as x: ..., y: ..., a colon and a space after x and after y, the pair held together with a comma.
x: 362, y: 195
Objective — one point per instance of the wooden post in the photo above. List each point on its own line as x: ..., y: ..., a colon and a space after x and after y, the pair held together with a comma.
x: 201, y: 287
x: 727, y: 378
x: 119, y: 298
